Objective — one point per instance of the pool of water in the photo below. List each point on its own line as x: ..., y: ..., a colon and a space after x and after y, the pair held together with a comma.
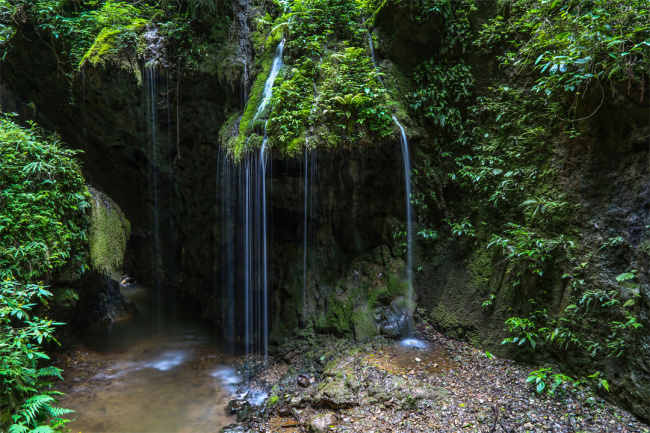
x: 153, y: 373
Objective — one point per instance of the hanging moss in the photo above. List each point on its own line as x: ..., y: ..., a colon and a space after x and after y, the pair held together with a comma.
x: 108, y: 234
x: 121, y: 46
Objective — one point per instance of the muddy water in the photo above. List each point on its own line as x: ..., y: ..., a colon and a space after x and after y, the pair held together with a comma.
x: 153, y: 373
x: 412, y: 356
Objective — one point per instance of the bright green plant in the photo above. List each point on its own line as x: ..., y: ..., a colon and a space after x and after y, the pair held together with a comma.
x: 545, y: 380
x: 42, y: 204
x: 21, y: 336
x: 43, y: 221
x: 524, y: 330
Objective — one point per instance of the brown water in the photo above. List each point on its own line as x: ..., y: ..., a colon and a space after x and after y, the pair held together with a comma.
x: 154, y: 373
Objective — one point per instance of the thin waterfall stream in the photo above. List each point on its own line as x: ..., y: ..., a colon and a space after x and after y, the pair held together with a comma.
x: 407, y: 182
x: 409, y: 212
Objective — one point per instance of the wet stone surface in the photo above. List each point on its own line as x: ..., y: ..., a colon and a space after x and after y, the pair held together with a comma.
x: 427, y: 385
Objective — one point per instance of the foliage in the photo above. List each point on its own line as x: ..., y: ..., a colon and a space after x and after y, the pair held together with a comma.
x: 21, y: 337
x: 543, y: 379
x: 42, y: 204
x: 454, y: 14
x: 42, y: 226
x: 443, y: 89
x: 495, y: 147
x: 100, y: 32
x: 328, y: 94
x: 574, y: 45
x: 526, y: 245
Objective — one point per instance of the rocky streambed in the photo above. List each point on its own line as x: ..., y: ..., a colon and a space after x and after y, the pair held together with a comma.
x: 322, y: 384
x: 428, y: 385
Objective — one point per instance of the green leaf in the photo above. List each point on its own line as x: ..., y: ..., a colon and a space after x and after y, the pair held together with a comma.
x: 625, y: 276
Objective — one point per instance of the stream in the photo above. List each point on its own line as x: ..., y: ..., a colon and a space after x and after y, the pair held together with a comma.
x: 157, y: 372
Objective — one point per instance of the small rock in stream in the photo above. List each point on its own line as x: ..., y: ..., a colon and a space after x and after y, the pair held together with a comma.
x: 237, y: 405
x: 232, y: 428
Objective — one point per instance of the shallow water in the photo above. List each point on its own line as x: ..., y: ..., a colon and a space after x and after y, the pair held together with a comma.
x: 153, y: 373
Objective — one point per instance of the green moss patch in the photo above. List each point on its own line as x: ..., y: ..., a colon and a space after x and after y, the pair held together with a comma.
x: 108, y: 234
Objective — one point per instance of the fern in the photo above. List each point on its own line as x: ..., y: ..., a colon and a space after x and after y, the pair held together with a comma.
x: 49, y: 371
x: 18, y: 428
x: 36, y: 410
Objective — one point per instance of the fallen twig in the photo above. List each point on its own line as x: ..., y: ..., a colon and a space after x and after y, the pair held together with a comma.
x: 496, y: 418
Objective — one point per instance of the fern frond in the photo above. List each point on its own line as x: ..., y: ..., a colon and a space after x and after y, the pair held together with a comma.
x: 43, y: 429
x: 49, y: 371
x: 18, y: 428
x: 58, y: 411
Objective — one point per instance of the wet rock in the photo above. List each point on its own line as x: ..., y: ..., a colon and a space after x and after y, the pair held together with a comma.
x: 397, y: 319
x: 232, y: 428
x: 126, y: 280
x: 300, y: 401
x: 285, y: 412
x: 303, y: 381
x: 336, y: 394
x: 237, y: 405
x: 321, y: 423
x: 243, y: 414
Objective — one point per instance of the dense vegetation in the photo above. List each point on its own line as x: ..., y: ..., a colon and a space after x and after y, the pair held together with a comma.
x: 42, y: 226
x: 498, y: 143
x: 327, y: 95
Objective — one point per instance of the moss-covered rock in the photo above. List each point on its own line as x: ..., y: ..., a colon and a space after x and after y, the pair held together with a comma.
x: 108, y: 233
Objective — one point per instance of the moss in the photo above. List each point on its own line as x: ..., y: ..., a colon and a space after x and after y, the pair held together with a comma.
x: 114, y: 45
x: 255, y: 98
x: 396, y: 285
x: 364, y: 323
x: 296, y: 146
x: 108, y: 234
x: 338, y: 318
x: 272, y: 401
x: 481, y: 267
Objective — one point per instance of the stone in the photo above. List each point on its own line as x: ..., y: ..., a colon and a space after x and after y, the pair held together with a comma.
x: 232, y: 428
x: 303, y: 381
x: 397, y: 318
x: 321, y: 423
x: 237, y: 405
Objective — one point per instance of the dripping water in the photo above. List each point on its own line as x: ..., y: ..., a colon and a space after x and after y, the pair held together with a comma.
x: 407, y: 180
x: 309, y: 211
x: 242, y: 240
x: 268, y: 85
x: 372, y: 50
x: 151, y: 78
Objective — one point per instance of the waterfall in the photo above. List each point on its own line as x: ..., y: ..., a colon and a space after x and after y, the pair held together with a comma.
x: 150, y: 87
x: 241, y: 190
x: 407, y: 179
x: 409, y: 213
x: 309, y: 214
x: 372, y: 51
x: 268, y: 85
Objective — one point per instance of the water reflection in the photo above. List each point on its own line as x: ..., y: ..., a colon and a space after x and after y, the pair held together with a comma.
x: 147, y: 375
